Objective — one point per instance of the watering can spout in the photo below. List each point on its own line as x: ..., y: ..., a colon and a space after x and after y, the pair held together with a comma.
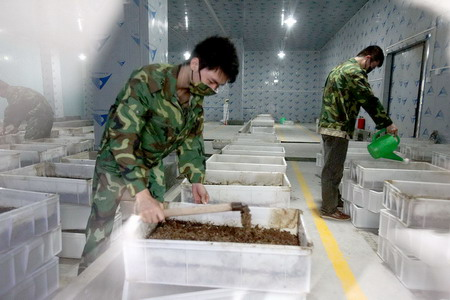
x: 392, y: 156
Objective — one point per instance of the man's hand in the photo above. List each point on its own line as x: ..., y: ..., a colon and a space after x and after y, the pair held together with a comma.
x: 148, y: 208
x: 392, y: 129
x: 200, y: 193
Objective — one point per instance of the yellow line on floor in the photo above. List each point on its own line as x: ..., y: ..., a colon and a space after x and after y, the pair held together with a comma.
x: 344, y: 273
x: 279, y: 132
x: 315, y: 137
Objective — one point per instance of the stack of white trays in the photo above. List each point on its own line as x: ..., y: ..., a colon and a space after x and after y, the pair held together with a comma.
x: 30, y: 239
x: 414, y: 234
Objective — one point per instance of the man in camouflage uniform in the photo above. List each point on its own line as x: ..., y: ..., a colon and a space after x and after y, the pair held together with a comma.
x: 347, y: 89
x: 159, y: 110
x: 26, y: 104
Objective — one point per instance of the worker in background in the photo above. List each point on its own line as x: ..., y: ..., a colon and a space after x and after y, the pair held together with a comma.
x: 25, y: 104
x: 159, y: 110
x: 346, y: 89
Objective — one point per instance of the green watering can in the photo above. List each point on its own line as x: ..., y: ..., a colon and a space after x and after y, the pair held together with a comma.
x: 384, y: 146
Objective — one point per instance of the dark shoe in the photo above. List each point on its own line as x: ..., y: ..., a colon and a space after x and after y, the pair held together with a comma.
x: 340, y: 204
x: 337, y: 215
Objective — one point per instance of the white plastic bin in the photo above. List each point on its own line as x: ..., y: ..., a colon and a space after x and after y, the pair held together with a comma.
x: 412, y: 272
x: 262, y: 122
x: 269, y: 189
x: 274, y: 268
x: 441, y: 159
x: 246, y: 163
x: 254, y: 150
x: 419, y: 204
x: 22, y: 261
x: 35, y: 214
x: 263, y: 130
x: 372, y: 174
x: 73, y: 182
x: 83, y: 158
x: 9, y: 161
x: 36, y: 153
x: 429, y: 245
x: 363, y: 218
x: 39, y: 285
x: 73, y: 144
x: 264, y: 137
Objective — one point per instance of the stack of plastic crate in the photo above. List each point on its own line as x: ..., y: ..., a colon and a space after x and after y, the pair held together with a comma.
x: 30, y: 239
x: 414, y: 234
x: 363, y: 188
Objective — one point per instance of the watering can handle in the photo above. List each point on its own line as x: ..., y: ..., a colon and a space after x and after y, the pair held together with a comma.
x: 376, y: 135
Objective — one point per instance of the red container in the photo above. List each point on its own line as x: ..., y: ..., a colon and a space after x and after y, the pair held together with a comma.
x: 361, y: 123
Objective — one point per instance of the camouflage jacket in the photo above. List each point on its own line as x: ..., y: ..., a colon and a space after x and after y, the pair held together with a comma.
x: 346, y: 90
x: 145, y: 124
x: 24, y: 103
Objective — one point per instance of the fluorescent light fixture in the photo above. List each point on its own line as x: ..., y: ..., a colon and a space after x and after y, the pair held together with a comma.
x: 82, y: 56
x: 281, y: 54
x: 290, y: 21
x: 80, y: 25
x: 282, y: 17
x: 186, y: 55
x: 275, y: 81
x: 5, y: 57
x: 186, y: 20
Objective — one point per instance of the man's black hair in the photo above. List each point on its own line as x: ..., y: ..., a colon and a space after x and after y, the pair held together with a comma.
x: 218, y: 53
x: 374, y: 51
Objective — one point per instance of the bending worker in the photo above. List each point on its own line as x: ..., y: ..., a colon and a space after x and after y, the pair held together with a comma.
x: 25, y: 104
x: 160, y: 110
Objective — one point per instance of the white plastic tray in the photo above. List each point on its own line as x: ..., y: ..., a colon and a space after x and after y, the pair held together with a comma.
x: 246, y: 163
x: 39, y: 285
x: 441, y: 159
x: 429, y: 245
x: 73, y: 144
x: 22, y: 261
x: 73, y: 182
x: 9, y: 161
x: 36, y: 153
x: 419, y: 204
x: 372, y: 174
x: 363, y: 218
x: 254, y: 150
x: 263, y: 137
x: 36, y: 213
x: 269, y: 189
x: 412, y: 272
x: 242, y: 266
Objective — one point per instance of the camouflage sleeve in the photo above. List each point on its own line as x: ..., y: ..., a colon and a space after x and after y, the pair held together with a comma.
x: 126, y: 123
x: 371, y: 104
x: 157, y: 181
x: 191, y: 154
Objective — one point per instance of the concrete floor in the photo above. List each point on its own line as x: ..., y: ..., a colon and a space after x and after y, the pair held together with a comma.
x: 344, y: 260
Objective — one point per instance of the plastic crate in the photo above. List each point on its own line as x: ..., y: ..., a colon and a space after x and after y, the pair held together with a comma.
x: 419, y: 204
x: 263, y: 130
x: 412, y: 272
x: 363, y: 218
x: 254, y: 150
x: 39, y: 285
x: 269, y: 189
x: 73, y: 243
x: 347, y: 189
x: 274, y: 268
x: 83, y: 158
x: 73, y: 144
x: 246, y: 163
x: 366, y: 198
x: 9, y: 161
x: 422, y: 152
x: 429, y: 245
x: 36, y: 153
x: 73, y: 182
x: 263, y: 137
x: 375, y: 201
x: 22, y: 261
x: 36, y: 213
x: 372, y: 174
x: 262, y: 122
x: 441, y: 159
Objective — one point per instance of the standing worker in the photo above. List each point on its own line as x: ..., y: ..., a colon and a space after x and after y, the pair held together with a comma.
x: 159, y: 110
x: 346, y: 90
x: 25, y: 104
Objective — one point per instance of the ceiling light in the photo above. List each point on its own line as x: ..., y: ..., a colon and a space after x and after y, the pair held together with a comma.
x: 82, y: 56
x: 186, y: 55
x: 282, y: 17
x: 281, y: 54
x: 290, y: 22
x: 186, y: 20
x: 275, y: 81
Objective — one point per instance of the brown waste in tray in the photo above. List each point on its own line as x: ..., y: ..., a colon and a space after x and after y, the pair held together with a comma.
x: 195, y: 231
x: 4, y: 209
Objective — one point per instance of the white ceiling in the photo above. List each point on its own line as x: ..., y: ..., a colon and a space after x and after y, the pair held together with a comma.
x: 258, y: 22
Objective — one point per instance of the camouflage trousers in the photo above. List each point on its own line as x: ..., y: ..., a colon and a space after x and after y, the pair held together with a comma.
x: 108, y: 190
x: 39, y: 125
